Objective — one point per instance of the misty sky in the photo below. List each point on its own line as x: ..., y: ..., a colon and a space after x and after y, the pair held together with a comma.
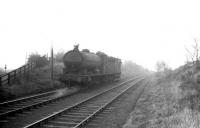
x: 143, y: 31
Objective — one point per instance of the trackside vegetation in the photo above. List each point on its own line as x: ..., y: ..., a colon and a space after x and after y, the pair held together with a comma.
x: 171, y: 101
x: 36, y: 81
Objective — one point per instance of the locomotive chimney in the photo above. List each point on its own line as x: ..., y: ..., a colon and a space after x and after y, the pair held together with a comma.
x: 76, y: 47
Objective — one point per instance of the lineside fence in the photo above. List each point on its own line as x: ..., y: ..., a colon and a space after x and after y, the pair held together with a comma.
x: 6, y: 79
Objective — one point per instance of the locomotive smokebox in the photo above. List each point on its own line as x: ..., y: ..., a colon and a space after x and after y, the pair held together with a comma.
x: 72, y: 58
x: 83, y: 59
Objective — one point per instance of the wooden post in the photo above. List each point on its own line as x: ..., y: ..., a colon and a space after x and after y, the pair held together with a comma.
x: 0, y: 81
x: 28, y: 69
x: 28, y: 73
x: 24, y: 69
x: 5, y: 68
x: 52, y: 63
x: 15, y: 74
x: 20, y: 72
x: 8, y: 79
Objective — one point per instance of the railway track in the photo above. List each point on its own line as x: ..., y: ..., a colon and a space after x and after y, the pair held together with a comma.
x: 12, y: 107
x: 80, y: 114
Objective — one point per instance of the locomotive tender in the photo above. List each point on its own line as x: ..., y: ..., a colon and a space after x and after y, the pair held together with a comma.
x: 84, y: 67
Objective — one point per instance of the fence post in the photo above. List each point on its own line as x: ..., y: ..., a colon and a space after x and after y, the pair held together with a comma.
x: 28, y: 68
x: 8, y: 79
x: 20, y: 71
x: 15, y: 74
x: 24, y: 69
x: 0, y: 81
x: 31, y: 66
x: 28, y: 73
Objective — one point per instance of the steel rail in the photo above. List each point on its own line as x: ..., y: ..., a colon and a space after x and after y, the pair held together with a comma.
x: 29, y: 97
x: 26, y: 98
x: 6, y: 114
x: 30, y: 106
x: 34, y: 96
x: 37, y: 123
x: 84, y: 122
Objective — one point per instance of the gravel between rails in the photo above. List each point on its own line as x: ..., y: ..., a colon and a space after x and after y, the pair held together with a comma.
x: 36, y: 114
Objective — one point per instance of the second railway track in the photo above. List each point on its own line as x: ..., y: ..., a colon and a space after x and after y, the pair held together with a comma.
x: 10, y: 108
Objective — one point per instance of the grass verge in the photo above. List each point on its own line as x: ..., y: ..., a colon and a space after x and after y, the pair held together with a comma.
x: 165, y: 105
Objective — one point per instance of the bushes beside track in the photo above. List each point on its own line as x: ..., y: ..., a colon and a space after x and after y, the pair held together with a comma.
x: 169, y: 102
x: 39, y: 80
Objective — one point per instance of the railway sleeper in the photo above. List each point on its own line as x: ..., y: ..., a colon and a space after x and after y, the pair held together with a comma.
x: 70, y: 119
x: 106, y: 112
x: 110, y: 108
x: 67, y: 122
x: 61, y: 123
x: 98, y: 104
x: 27, y: 112
x: 16, y: 107
x: 97, y: 117
x: 86, y: 109
x: 10, y: 118
x: 101, y: 102
x: 81, y: 114
x: 3, y: 110
x: 83, y: 111
x: 52, y: 126
x: 91, y: 106
x: 21, y: 114
x: 3, y: 121
x: 73, y: 116
x: 91, y: 125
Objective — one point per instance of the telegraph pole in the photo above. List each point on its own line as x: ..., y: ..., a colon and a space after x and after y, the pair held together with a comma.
x: 5, y: 68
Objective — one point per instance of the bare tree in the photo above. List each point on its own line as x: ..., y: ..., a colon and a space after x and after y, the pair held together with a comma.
x: 193, y: 54
x: 164, y: 72
x: 161, y: 66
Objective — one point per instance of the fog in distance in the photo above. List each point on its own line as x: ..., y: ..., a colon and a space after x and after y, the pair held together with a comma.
x: 141, y: 31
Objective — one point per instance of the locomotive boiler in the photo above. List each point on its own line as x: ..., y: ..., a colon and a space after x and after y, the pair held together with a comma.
x: 85, y: 67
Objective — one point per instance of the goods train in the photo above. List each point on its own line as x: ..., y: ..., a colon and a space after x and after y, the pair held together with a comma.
x: 84, y: 67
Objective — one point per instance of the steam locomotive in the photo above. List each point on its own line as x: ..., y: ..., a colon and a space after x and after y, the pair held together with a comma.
x: 84, y: 67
